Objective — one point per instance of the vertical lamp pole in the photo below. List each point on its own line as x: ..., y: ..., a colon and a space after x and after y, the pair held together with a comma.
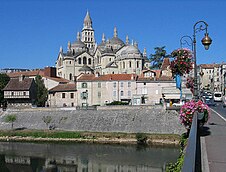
x: 206, y: 41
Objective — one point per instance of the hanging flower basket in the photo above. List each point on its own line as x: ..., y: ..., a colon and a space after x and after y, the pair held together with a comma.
x: 189, y: 108
x: 182, y: 64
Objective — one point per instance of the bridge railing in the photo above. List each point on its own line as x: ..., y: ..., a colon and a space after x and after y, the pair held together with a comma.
x: 192, y: 158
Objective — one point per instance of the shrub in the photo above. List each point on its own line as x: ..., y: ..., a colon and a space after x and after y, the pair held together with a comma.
x: 117, y: 103
x: 11, y: 119
x: 141, y: 138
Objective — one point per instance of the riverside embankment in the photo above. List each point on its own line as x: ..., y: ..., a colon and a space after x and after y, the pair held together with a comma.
x: 126, y: 119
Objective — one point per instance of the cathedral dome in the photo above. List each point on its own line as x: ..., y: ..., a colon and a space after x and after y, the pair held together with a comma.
x: 130, y: 51
x: 116, y: 40
x: 78, y: 44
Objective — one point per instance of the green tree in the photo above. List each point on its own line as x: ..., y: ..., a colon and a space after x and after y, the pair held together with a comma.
x: 4, y: 79
x: 11, y: 119
x: 42, y: 92
x: 157, y: 58
x: 47, y: 120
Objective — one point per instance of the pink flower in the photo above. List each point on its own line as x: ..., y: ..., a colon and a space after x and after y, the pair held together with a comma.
x: 188, y: 109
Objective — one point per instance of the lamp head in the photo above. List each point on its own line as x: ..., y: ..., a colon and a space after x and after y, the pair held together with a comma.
x: 206, y: 41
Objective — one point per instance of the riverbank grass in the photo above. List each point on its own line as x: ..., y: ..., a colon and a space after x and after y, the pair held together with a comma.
x: 83, y: 136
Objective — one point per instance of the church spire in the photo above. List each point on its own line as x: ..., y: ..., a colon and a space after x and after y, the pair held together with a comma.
x: 61, y: 49
x: 127, y: 40
x: 115, y: 32
x: 88, y: 32
x: 136, y: 44
x: 103, y: 38
x: 145, y: 52
x: 69, y: 46
x: 78, y: 36
x: 87, y: 21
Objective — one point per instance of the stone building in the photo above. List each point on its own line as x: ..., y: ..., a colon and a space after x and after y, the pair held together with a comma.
x: 211, y: 77
x: 63, y: 95
x: 99, y: 90
x: 20, y: 92
x: 111, y: 56
x: 48, y: 75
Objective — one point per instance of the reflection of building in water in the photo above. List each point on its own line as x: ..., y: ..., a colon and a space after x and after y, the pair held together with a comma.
x: 99, y: 167
x: 59, y: 164
x: 17, y: 160
x: 84, y: 165
x: 83, y: 158
x: 17, y: 164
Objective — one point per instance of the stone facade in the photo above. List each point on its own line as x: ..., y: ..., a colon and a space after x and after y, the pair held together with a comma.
x: 105, y: 88
x: 111, y: 56
x: 63, y: 95
x: 211, y: 77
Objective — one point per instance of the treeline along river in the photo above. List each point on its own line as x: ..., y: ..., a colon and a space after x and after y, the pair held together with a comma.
x: 83, y: 157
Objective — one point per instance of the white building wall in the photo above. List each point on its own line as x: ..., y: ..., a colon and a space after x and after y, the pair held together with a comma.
x: 152, y: 91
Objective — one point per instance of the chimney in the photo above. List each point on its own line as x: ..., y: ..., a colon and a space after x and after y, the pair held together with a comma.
x: 21, y: 78
x: 50, y: 71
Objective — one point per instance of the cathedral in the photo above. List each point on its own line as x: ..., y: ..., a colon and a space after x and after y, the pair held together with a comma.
x: 111, y: 56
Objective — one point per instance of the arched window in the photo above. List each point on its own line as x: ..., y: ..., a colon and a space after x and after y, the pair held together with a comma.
x: 123, y: 65
x: 79, y: 61
x: 137, y: 64
x: 130, y: 64
x: 89, y: 61
x: 84, y: 60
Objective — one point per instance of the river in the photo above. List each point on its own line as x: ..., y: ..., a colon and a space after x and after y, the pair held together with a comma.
x: 83, y: 157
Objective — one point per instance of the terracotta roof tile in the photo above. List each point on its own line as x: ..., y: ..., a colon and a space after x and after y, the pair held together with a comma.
x: 145, y: 79
x: 16, y: 85
x: 209, y: 66
x: 26, y: 73
x: 108, y: 77
x: 58, y: 79
x: 85, y: 77
x: 64, y: 87
x: 116, y: 77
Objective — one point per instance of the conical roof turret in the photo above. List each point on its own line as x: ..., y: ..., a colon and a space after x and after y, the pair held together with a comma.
x: 87, y: 21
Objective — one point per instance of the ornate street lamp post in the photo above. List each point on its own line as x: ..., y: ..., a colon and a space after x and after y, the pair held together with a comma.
x: 206, y: 41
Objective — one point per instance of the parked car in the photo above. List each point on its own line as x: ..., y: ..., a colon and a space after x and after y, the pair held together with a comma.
x: 218, y: 96
x: 210, y: 95
x: 178, y: 104
x: 210, y: 102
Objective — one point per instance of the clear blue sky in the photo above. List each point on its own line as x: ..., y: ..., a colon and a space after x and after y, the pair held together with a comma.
x: 32, y: 31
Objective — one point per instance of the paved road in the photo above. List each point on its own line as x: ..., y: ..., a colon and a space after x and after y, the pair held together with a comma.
x: 213, y: 141
x: 220, y: 109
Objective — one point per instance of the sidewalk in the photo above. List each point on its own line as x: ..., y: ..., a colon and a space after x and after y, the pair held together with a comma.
x: 213, y: 144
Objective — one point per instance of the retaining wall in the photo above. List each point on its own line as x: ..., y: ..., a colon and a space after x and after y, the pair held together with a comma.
x: 148, y: 119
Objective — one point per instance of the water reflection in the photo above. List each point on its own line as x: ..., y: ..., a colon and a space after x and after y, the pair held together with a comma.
x: 83, y: 157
